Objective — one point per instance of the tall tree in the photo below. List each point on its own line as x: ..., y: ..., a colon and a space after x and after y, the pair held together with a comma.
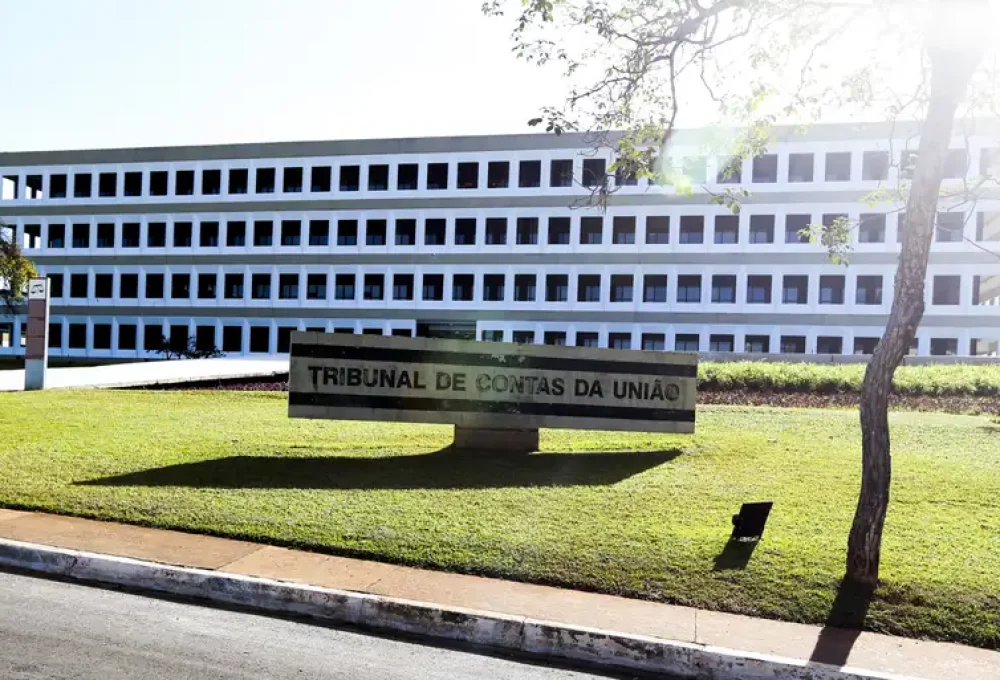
x: 631, y: 64
x: 15, y: 270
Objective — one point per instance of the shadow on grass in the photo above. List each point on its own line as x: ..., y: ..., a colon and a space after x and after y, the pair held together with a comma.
x: 445, y: 469
x: 843, y: 625
x: 736, y: 555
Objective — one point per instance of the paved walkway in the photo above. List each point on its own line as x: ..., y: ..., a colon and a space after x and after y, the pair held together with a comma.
x: 871, y: 651
x: 149, y: 373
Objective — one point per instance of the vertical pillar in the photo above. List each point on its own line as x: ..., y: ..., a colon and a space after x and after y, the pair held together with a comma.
x: 37, y: 352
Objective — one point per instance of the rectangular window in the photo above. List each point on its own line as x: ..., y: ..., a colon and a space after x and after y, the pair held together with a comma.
x: 765, y: 169
x: 689, y: 288
x: 234, y: 286
x: 156, y: 235
x: 55, y: 285
x: 594, y: 172
x: 793, y: 344
x: 588, y: 288
x: 759, y: 290
x: 524, y: 287
x: 260, y: 339
x: 869, y: 290
x: 158, y: 183
x: 206, y: 286
x: 987, y: 226
x: 619, y: 340
x: 208, y: 234
x: 204, y: 338
x: 944, y: 347
x: 559, y: 231
x: 344, y: 286
x: 78, y: 336
x: 288, y: 286
x: 727, y: 229
x: 437, y: 175
x: 557, y: 287
x: 81, y: 235
x: 315, y: 286
x: 375, y: 232
x: 493, y: 287
x: 263, y: 233
x: 554, y: 338
x: 378, y: 177
x: 496, y: 231
x: 591, y: 229
x: 947, y: 290
x: 183, y: 234
x: 350, y: 178
x: 211, y: 182
x: 838, y: 166
x: 82, y: 186
x: 320, y: 179
x: 795, y: 290
x: 265, y: 180
x: 291, y: 180
x: 623, y: 230
x: 757, y: 344
x: 654, y: 342
x: 907, y: 164
x: 104, y: 285
x: 57, y: 186
x: 865, y: 345
x: 829, y: 344
x: 107, y: 186
x: 402, y: 286
x: 724, y: 288
x: 800, y: 167
x: 180, y: 286
x: 523, y: 337
x: 625, y: 174
x: 465, y: 231
x: 956, y: 164
x: 492, y: 336
x: 291, y: 233
x: 687, y: 342
x: 407, y: 176
x: 986, y: 290
x: 152, y: 338
x: 319, y: 232
x: 406, y: 232
x: 433, y: 287
x: 498, y: 174
x: 57, y: 236
x: 721, y: 343
x: 621, y: 288
x: 127, y: 336
x: 587, y: 340
x: 529, y: 174
x: 797, y: 228
x: 527, y: 231
x: 654, y: 288
x: 402, y: 333
x: 762, y: 229
x: 260, y: 286
x: 950, y: 227
x: 468, y: 175
x: 347, y: 232
x: 831, y: 290
x: 236, y: 234
x: 154, y: 286
x: 285, y: 339
x: 692, y: 229
x: 658, y: 229
x: 106, y: 235
x: 730, y: 170
x: 871, y: 228
x: 434, y: 231
x: 875, y: 167
x: 184, y: 183
x: 462, y: 287
x: 561, y: 173
x: 239, y: 180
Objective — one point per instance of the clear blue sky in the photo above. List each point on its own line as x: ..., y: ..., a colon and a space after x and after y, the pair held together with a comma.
x: 104, y: 73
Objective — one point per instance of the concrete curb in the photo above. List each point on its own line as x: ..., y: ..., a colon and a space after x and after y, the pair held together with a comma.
x: 597, y: 648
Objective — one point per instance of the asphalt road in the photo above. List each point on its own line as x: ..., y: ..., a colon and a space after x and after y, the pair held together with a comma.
x: 56, y: 630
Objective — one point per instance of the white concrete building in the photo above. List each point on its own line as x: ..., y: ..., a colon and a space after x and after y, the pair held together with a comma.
x: 237, y: 245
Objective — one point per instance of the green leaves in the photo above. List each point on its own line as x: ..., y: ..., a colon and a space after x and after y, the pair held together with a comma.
x: 15, y: 270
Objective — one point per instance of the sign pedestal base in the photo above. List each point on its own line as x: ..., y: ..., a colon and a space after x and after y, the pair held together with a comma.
x: 34, y: 374
x: 496, y: 439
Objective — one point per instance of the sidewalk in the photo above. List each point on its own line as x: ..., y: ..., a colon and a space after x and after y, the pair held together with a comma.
x: 869, y: 651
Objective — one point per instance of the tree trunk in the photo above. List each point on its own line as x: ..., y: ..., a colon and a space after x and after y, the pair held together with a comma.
x: 951, y: 71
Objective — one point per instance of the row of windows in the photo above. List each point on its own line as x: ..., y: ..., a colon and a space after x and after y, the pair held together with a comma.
x: 499, y: 174
x: 259, y: 340
x: 691, y: 229
x: 946, y: 289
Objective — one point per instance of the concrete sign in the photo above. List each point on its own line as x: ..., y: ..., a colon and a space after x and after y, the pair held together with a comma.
x: 492, y: 386
x: 36, y: 357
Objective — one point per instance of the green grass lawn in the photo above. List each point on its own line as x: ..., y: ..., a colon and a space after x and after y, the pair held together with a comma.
x: 651, y: 523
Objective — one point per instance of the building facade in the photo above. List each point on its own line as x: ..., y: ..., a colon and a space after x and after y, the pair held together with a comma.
x: 236, y: 246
